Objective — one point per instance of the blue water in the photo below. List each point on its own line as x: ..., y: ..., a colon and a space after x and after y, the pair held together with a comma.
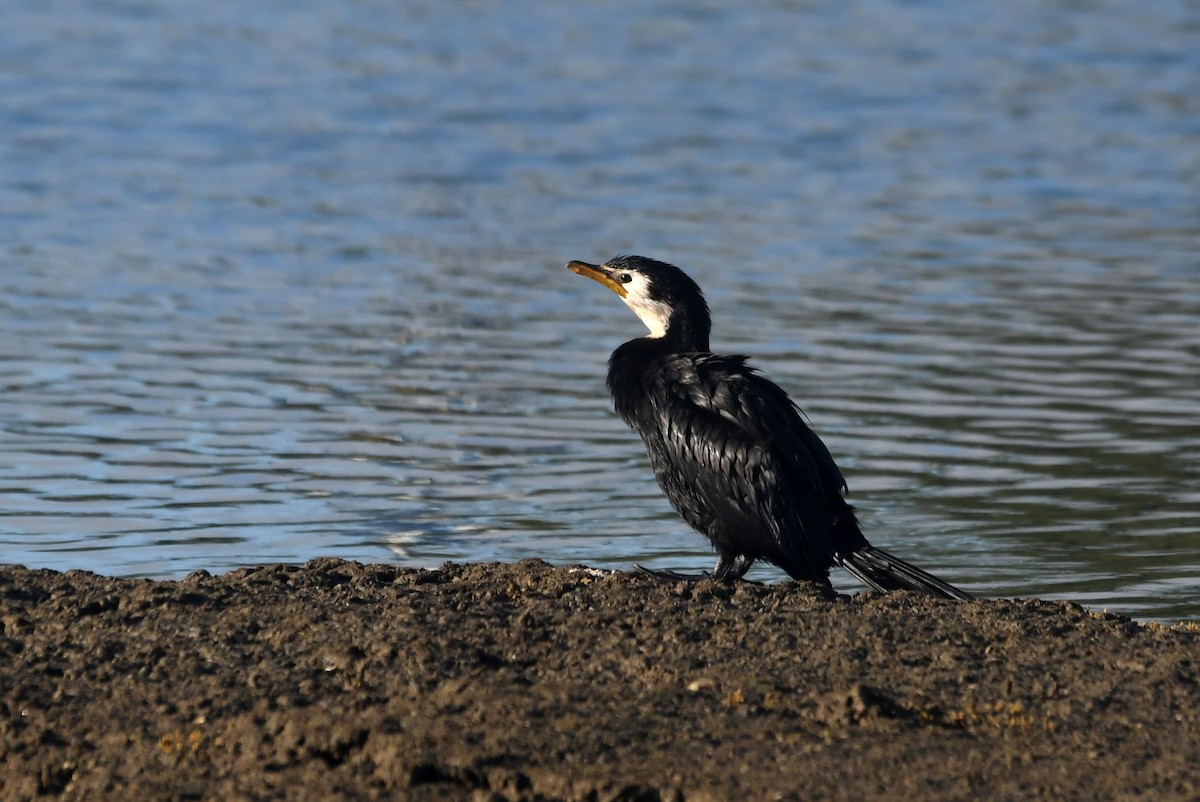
x: 285, y: 280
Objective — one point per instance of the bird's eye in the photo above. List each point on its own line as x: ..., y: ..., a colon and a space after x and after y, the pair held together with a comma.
x: 624, y: 278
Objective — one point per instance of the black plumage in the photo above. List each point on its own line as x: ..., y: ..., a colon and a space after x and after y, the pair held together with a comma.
x: 729, y: 447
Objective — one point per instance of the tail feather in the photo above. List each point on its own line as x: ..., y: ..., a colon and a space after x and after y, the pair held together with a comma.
x: 884, y: 572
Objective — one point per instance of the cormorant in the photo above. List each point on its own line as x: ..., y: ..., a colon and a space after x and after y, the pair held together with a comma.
x: 729, y: 447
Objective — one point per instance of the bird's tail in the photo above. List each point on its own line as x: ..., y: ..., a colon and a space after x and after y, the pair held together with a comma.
x: 884, y: 572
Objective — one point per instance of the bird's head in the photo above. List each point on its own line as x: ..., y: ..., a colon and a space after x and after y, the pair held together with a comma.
x: 663, y: 296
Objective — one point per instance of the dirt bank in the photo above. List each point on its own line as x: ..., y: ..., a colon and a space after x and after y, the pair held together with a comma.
x: 335, y: 680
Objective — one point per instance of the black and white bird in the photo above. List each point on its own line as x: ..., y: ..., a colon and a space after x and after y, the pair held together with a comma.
x: 729, y: 447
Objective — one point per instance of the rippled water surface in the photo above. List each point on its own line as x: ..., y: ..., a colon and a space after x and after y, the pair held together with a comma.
x: 284, y: 280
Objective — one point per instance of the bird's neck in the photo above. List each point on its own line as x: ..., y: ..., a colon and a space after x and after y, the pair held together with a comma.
x: 685, y: 334
x: 682, y: 336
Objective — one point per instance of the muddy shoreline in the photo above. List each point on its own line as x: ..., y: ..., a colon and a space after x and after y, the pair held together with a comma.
x: 336, y: 680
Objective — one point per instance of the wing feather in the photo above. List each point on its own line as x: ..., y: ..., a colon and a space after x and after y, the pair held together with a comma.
x: 739, y: 463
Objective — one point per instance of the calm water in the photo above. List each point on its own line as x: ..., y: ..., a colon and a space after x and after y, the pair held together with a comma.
x: 285, y: 280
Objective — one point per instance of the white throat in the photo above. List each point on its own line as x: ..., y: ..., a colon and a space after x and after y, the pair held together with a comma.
x: 655, y: 314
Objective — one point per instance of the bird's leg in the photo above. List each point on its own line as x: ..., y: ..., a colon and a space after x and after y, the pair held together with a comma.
x: 671, y: 576
x: 731, y: 569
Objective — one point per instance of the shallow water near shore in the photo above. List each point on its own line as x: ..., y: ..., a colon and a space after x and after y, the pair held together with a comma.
x: 287, y: 283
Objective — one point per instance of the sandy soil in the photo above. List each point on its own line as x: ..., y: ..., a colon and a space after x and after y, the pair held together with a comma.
x: 336, y: 680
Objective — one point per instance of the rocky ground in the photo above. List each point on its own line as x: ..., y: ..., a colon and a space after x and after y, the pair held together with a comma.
x: 336, y: 680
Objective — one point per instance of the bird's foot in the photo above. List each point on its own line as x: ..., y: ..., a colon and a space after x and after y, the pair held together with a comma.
x: 672, y: 576
x: 732, y: 568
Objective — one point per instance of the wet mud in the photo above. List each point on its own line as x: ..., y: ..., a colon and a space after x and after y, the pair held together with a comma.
x: 336, y: 680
